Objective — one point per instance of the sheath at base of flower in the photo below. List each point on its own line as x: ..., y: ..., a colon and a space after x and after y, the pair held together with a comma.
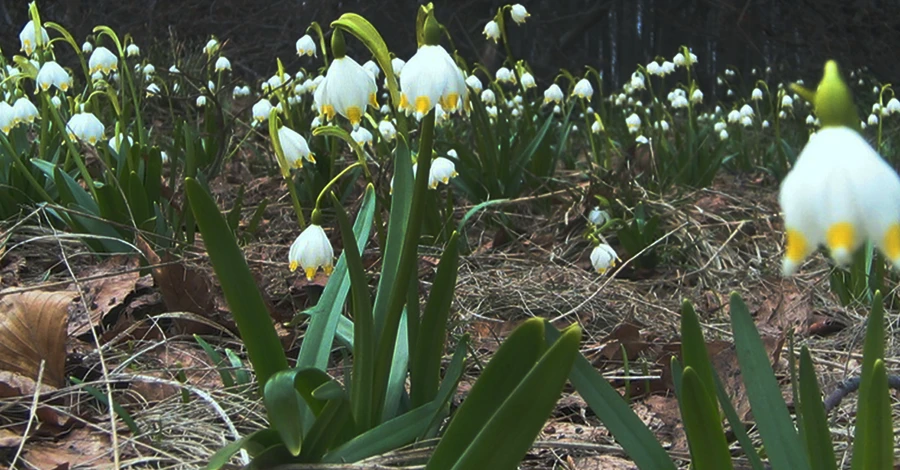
x: 295, y: 147
x: 603, y: 257
x: 431, y: 77
x: 347, y: 88
x: 840, y: 193
x: 310, y: 251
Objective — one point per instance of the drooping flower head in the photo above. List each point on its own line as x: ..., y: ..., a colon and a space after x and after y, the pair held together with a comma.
x: 431, y: 77
x: 312, y: 250
x: 347, y: 88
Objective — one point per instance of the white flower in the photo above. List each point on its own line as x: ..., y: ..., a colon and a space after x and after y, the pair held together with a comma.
x: 697, y: 96
x: 553, y: 94
x: 557, y: 110
x: 637, y: 81
x: 306, y: 46
x: 397, y: 64
x: 86, y: 48
x: 679, y: 101
x: 362, y: 136
x: 310, y: 251
x: 746, y: 121
x: 492, y: 30
x: 27, y: 38
x: 211, y: 47
x: 679, y: 60
x: 149, y: 70
x: 723, y: 134
x: 664, y: 125
x: 222, y: 64
x: 316, y: 122
x: 603, y: 257
x: 810, y: 120
x: 598, y: 217
x: 86, y: 127
x: 633, y: 122
x: 7, y: 117
x: 583, y: 89
x: 387, y: 130
x: 102, y: 60
x: 873, y: 120
x: 201, y: 101
x: 893, y: 106
x: 25, y: 110
x: 787, y: 102
x: 116, y: 142
x: 261, y: 110
x: 528, y: 81
x: 765, y: 124
x: 346, y: 90
x: 442, y: 169
x: 474, y: 83
x: 52, y: 74
x: 653, y: 68
x: 719, y: 126
x: 488, y: 96
x: 641, y: 140
x: 174, y: 69
x: 574, y: 128
x: 519, y: 13
x: 152, y: 89
x: 596, y: 127
x: 666, y: 68
x: 876, y: 108
x: 746, y: 111
x: 431, y: 77
x: 729, y: 93
x: 294, y: 147
x: 132, y: 50
x: 756, y: 95
x: 840, y: 193
x: 452, y: 153
x: 734, y: 115
x: 504, y: 75
x: 492, y: 111
x: 372, y: 68
x: 56, y: 101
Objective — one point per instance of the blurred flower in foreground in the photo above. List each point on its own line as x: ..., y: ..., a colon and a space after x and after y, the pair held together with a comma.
x: 840, y: 192
x: 310, y: 251
x: 603, y: 257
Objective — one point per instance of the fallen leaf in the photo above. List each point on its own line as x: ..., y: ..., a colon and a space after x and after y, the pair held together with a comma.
x: 183, y: 288
x: 105, y: 294
x: 603, y: 462
x: 33, y: 327
x: 79, y: 449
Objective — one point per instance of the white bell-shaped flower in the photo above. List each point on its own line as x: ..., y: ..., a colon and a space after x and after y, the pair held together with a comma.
x: 201, y: 101
x: 28, y: 38
x: 295, y: 147
x: 442, y: 169
x: 86, y: 127
x: 873, y: 120
x: 387, y: 130
x: 261, y: 110
x: 211, y: 47
x: 719, y: 126
x: 603, y: 257
x: 697, y: 96
x: 653, y: 68
x: 152, y: 89
x: 723, y: 135
x: 222, y: 64
x: 116, y: 142
x: 52, y: 74
x: 306, y: 46
x: 132, y: 50
x: 583, y: 89
x: 734, y: 116
x: 474, y: 83
x: 7, y: 117
x: 641, y: 140
x: 488, y: 96
x: 666, y: 68
x: 372, y: 68
x: 756, y: 94
x: 787, y: 102
x: 553, y: 94
x: 598, y: 216
x: 633, y: 122
x: 893, y: 106
x: 103, y: 60
x: 528, y: 81
x: 362, y: 136
x: 746, y: 111
x: 840, y: 193
x: 346, y: 90
x: 25, y: 110
x: 504, y: 75
x: 87, y: 47
x: 429, y: 78
x: 310, y: 251
x: 492, y: 30
x: 397, y: 64
x: 519, y: 13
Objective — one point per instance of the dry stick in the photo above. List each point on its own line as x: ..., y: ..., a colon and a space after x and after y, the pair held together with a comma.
x: 112, y: 414
x: 32, y: 412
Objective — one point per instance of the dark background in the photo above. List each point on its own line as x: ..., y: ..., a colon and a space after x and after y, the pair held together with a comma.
x: 793, y: 37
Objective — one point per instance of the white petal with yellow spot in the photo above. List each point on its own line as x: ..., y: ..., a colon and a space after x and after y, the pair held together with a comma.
x: 310, y: 251
x: 429, y: 78
x: 346, y: 90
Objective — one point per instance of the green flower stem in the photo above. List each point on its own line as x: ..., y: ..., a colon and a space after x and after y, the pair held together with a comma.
x: 407, y: 267
x: 295, y: 200
x: 334, y: 181
x: 587, y: 122
x: 25, y: 171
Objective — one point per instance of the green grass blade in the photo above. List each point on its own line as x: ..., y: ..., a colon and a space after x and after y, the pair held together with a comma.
x: 868, y: 410
x: 218, y: 361
x: 253, y: 443
x: 388, y: 435
x: 775, y: 425
x: 819, y: 448
x: 629, y: 431
x: 241, y: 377
x: 120, y: 411
x: 737, y: 426
x: 334, y: 421
x: 241, y: 292
x: 694, y: 352
x: 878, y: 449
x: 709, y: 450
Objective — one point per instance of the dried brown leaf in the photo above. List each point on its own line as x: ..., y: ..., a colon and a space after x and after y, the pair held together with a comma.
x: 33, y: 327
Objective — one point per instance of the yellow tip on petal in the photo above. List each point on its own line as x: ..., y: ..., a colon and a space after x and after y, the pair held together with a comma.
x: 328, y: 269
x: 298, y: 163
x: 840, y: 240
x: 294, y: 266
x: 891, y: 243
x: 404, y: 101
x: 328, y: 111
x: 797, y: 247
x: 311, y: 158
x: 310, y: 273
x: 354, y: 114
x: 450, y: 102
x: 373, y: 100
x: 423, y: 104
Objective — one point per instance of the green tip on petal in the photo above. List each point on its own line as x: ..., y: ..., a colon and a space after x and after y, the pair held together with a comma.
x: 432, y: 30
x: 832, y: 99
x: 338, y: 49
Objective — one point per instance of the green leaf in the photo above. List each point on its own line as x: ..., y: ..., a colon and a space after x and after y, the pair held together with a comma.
x: 709, y: 450
x: 694, y: 352
x: 629, y: 431
x: 241, y: 292
x: 867, y: 418
x: 284, y: 406
x: 511, y: 430
x: 334, y: 421
x: 819, y: 448
x: 737, y: 426
x: 775, y: 425
x: 241, y: 377
x: 878, y: 449
x: 425, y: 374
x: 218, y: 361
x: 120, y: 411
x: 254, y: 443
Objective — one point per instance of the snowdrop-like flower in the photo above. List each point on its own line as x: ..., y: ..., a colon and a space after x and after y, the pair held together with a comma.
x: 372, y: 68
x: 474, y: 83
x: 873, y: 120
x: 492, y: 30
x: 729, y: 93
x: 519, y: 13
x: 132, y: 50
x: 492, y: 111
x: 174, y: 69
x: 25, y: 110
x: 697, y: 96
x: 598, y: 217
x: 56, y: 101
x: 653, y: 68
x: 442, y: 169
x: 583, y: 89
x: 553, y: 94
x: 810, y: 120
x: 397, y: 64
x: 679, y: 101
x: 28, y: 39
x: 765, y: 124
x: 222, y: 64
x: 596, y: 127
x: 637, y: 81
x: 261, y: 110
x: 316, y: 122
x: 504, y: 75
x: 723, y: 135
x: 103, y: 60
x: 719, y: 126
x: 893, y: 106
x: 641, y: 140
x: 7, y: 117
x: 295, y: 147
x: 52, y: 74
x: 603, y: 257
x: 362, y: 136
x: 633, y: 122
x: 211, y: 47
x: 756, y: 94
x: 488, y: 96
x: 310, y: 251
x: 306, y: 46
x: 746, y: 121
x: 734, y: 116
x: 746, y: 111
x: 87, y: 48
x: 148, y: 70
x: 528, y: 81
x: 429, y: 78
x: 116, y: 142
x: 387, y: 130
x: 346, y: 90
x: 787, y: 102
x: 662, y: 125
x: 201, y: 101
x: 86, y: 127
x: 666, y: 68
x: 152, y: 89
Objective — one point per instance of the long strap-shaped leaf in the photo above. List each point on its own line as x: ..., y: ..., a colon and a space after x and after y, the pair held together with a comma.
x: 818, y: 435
x: 872, y: 443
x: 775, y: 425
x: 709, y: 450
